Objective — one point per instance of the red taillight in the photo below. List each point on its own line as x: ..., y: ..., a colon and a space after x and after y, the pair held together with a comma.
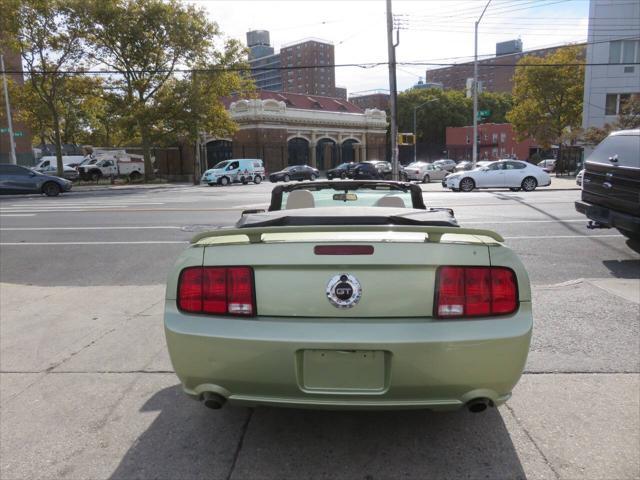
x: 217, y: 290
x: 475, y: 292
x: 343, y: 250
x: 240, y: 291
x: 190, y: 290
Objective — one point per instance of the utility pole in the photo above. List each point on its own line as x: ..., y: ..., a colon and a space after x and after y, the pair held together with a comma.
x: 393, y: 91
x: 12, y: 143
x: 474, y: 152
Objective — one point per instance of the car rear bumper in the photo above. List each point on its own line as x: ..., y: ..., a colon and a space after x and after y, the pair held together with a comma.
x: 439, y: 365
x: 609, y: 218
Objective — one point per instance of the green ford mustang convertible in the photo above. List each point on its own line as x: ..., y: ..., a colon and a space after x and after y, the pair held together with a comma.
x: 349, y: 295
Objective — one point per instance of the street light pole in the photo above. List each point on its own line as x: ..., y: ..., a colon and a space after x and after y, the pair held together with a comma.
x: 415, y: 132
x: 474, y: 154
x: 12, y: 143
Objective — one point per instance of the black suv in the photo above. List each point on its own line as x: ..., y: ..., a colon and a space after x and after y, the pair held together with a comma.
x: 611, y: 184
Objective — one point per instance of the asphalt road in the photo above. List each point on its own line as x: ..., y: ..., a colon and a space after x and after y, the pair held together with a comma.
x: 88, y: 390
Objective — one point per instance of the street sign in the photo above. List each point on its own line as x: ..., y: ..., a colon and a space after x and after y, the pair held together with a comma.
x: 15, y: 134
x: 484, y: 113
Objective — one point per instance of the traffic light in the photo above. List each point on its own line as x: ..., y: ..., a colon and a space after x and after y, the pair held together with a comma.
x: 406, y: 139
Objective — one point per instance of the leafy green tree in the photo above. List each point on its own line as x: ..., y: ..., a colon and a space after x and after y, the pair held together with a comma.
x: 448, y: 108
x: 548, y: 99
x: 629, y: 118
x: 145, y: 42
x: 48, y: 35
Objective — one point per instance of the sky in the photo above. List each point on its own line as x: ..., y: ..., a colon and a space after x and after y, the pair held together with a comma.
x: 432, y: 31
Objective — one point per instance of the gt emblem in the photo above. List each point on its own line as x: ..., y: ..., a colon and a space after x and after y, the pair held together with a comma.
x: 344, y: 291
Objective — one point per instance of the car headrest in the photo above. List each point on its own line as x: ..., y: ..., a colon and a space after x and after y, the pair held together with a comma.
x: 390, y: 201
x: 300, y: 199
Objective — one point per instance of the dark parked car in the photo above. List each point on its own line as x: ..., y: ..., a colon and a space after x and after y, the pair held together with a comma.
x: 344, y: 170
x: 611, y: 184
x: 384, y: 168
x: 365, y: 171
x: 295, y: 172
x: 17, y: 179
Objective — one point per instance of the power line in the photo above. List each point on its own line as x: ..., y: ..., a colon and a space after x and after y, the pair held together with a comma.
x: 302, y: 67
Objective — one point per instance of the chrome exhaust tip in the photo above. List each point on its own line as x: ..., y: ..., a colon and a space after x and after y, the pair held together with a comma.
x: 213, y: 400
x: 478, y: 405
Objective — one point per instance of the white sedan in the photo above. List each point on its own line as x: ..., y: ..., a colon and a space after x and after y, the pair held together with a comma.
x: 512, y: 174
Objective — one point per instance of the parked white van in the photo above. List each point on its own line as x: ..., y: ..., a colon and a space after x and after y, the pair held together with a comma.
x: 240, y: 170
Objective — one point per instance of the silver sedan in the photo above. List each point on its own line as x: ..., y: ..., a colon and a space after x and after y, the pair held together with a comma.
x: 425, y: 172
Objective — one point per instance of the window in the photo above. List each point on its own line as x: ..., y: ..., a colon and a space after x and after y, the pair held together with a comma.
x: 13, y: 170
x: 503, y: 138
x: 629, y: 51
x: 514, y: 165
x: 611, y: 104
x: 626, y: 147
x: 615, y: 48
x: 468, y: 141
x: 494, y: 138
x: 624, y: 51
x: 615, y: 102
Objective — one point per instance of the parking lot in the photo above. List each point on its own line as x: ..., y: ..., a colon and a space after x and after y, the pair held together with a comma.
x: 87, y: 388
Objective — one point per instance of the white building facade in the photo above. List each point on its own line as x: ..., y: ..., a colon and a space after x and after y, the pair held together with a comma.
x: 613, y: 40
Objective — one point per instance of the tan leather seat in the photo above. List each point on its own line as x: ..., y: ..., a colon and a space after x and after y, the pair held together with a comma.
x: 390, y: 201
x: 300, y: 199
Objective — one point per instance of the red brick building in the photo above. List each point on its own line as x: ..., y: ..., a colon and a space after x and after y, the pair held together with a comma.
x: 318, y: 80
x: 291, y: 129
x: 497, y: 140
x: 371, y: 99
x: 496, y: 73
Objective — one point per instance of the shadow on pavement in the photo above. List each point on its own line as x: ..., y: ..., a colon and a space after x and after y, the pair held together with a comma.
x: 623, y: 268
x: 188, y: 441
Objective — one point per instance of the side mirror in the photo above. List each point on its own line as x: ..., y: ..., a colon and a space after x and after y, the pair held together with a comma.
x: 32, y: 174
x: 613, y: 159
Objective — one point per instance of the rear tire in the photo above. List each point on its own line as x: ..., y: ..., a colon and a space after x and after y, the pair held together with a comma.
x: 426, y: 179
x: 286, y: 178
x: 257, y: 179
x: 224, y: 181
x: 343, y: 175
x: 95, y: 176
x: 134, y: 176
x: 51, y: 189
x: 467, y: 184
x: 529, y: 184
x: 313, y: 177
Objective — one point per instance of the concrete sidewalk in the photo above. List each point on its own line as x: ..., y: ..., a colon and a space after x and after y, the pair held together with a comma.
x: 87, y: 391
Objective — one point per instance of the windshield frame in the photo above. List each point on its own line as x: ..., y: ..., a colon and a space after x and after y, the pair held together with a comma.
x: 349, y: 186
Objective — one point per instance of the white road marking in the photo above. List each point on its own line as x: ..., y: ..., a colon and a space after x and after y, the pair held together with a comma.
x: 46, y: 244
x: 161, y: 227
x: 81, y: 204
x: 17, y: 215
x: 491, y: 222
x: 533, y: 237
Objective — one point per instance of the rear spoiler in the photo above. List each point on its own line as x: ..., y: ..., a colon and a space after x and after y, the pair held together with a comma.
x: 254, y: 234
